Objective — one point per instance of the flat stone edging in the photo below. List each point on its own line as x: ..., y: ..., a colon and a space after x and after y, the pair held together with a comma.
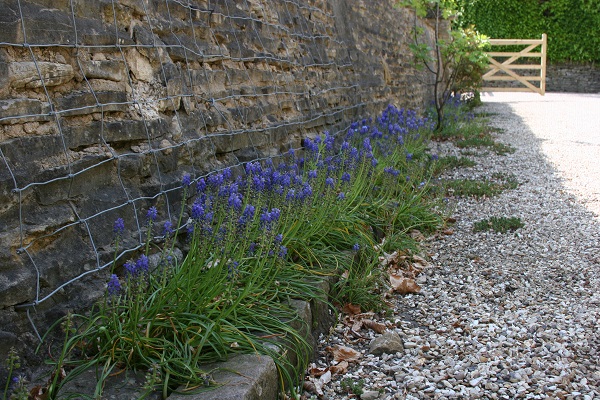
x: 255, y: 377
x: 243, y: 377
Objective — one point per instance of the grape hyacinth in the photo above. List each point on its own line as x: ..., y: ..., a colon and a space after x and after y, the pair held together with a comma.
x: 152, y: 214
x: 119, y: 227
x: 168, y: 228
x: 113, y: 287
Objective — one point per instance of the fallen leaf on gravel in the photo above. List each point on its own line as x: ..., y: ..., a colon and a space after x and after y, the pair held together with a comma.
x: 416, y: 235
x: 404, y: 285
x: 340, y: 368
x: 420, y: 260
x: 351, y: 309
x: 448, y: 232
x: 325, y: 378
x: 310, y: 386
x: 315, y: 385
x: 317, y: 372
x: 38, y: 393
x: 343, y: 353
x: 376, y: 326
x: 388, y: 259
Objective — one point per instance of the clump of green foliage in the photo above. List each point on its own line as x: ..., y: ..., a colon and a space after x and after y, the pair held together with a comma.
x: 352, y: 386
x: 451, y: 162
x: 572, y: 26
x: 456, y: 58
x: 467, y: 129
x: 473, y: 188
x: 498, y: 224
x: 481, y: 187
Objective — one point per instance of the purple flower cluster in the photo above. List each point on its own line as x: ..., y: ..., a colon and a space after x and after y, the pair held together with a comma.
x: 225, y: 207
x: 168, y: 228
x: 392, y: 171
x: 137, y: 268
x: 187, y: 180
x: 152, y: 214
x: 247, y: 215
x: 113, y: 287
x: 119, y: 227
x: 269, y: 217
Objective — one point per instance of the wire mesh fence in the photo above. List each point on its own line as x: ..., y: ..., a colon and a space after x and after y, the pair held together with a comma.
x: 106, y: 105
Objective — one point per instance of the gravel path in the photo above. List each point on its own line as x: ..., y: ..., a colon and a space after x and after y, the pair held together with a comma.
x: 504, y: 316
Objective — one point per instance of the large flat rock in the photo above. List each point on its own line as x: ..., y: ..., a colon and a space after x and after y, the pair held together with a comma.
x: 244, y: 377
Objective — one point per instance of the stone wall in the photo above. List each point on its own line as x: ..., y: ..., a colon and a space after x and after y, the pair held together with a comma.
x: 561, y: 77
x: 105, y: 105
x: 573, y: 78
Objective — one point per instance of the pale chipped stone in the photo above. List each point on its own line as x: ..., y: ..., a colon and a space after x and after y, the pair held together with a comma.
x: 31, y: 74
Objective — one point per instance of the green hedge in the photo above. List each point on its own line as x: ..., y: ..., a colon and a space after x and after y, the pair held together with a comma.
x: 572, y: 26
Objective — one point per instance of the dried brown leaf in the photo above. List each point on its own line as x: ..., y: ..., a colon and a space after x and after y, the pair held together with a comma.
x: 310, y: 386
x: 351, y: 309
x: 325, y: 378
x: 417, y: 235
x: 376, y: 326
x: 317, y: 372
x: 343, y: 353
x: 340, y: 368
x: 404, y: 285
x: 420, y: 261
x: 357, y: 325
x: 38, y: 393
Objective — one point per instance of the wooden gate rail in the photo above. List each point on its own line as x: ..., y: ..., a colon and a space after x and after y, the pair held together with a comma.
x: 508, y: 68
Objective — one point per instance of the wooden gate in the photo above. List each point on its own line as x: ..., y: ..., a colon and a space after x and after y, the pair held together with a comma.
x: 502, y: 67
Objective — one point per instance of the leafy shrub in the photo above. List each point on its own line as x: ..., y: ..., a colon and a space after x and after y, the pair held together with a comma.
x: 572, y: 26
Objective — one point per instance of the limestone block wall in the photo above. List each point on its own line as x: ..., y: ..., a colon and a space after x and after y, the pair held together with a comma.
x: 106, y: 104
x: 573, y: 78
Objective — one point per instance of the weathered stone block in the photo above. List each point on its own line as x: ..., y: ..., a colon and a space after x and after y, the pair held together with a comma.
x: 112, y: 70
x: 10, y: 22
x: 92, y: 177
x: 387, y: 343
x: 60, y: 187
x: 244, y: 377
x: 177, y: 46
x: 248, y: 154
x: 167, y: 157
x: 17, y: 279
x: 7, y: 197
x: 114, y: 133
x: 37, y: 219
x: 13, y: 111
x: 126, y: 386
x: 229, y: 142
x: 27, y: 155
x: 88, y: 103
x: 4, y: 79
x: 31, y: 74
x: 139, y: 65
x: 130, y: 166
